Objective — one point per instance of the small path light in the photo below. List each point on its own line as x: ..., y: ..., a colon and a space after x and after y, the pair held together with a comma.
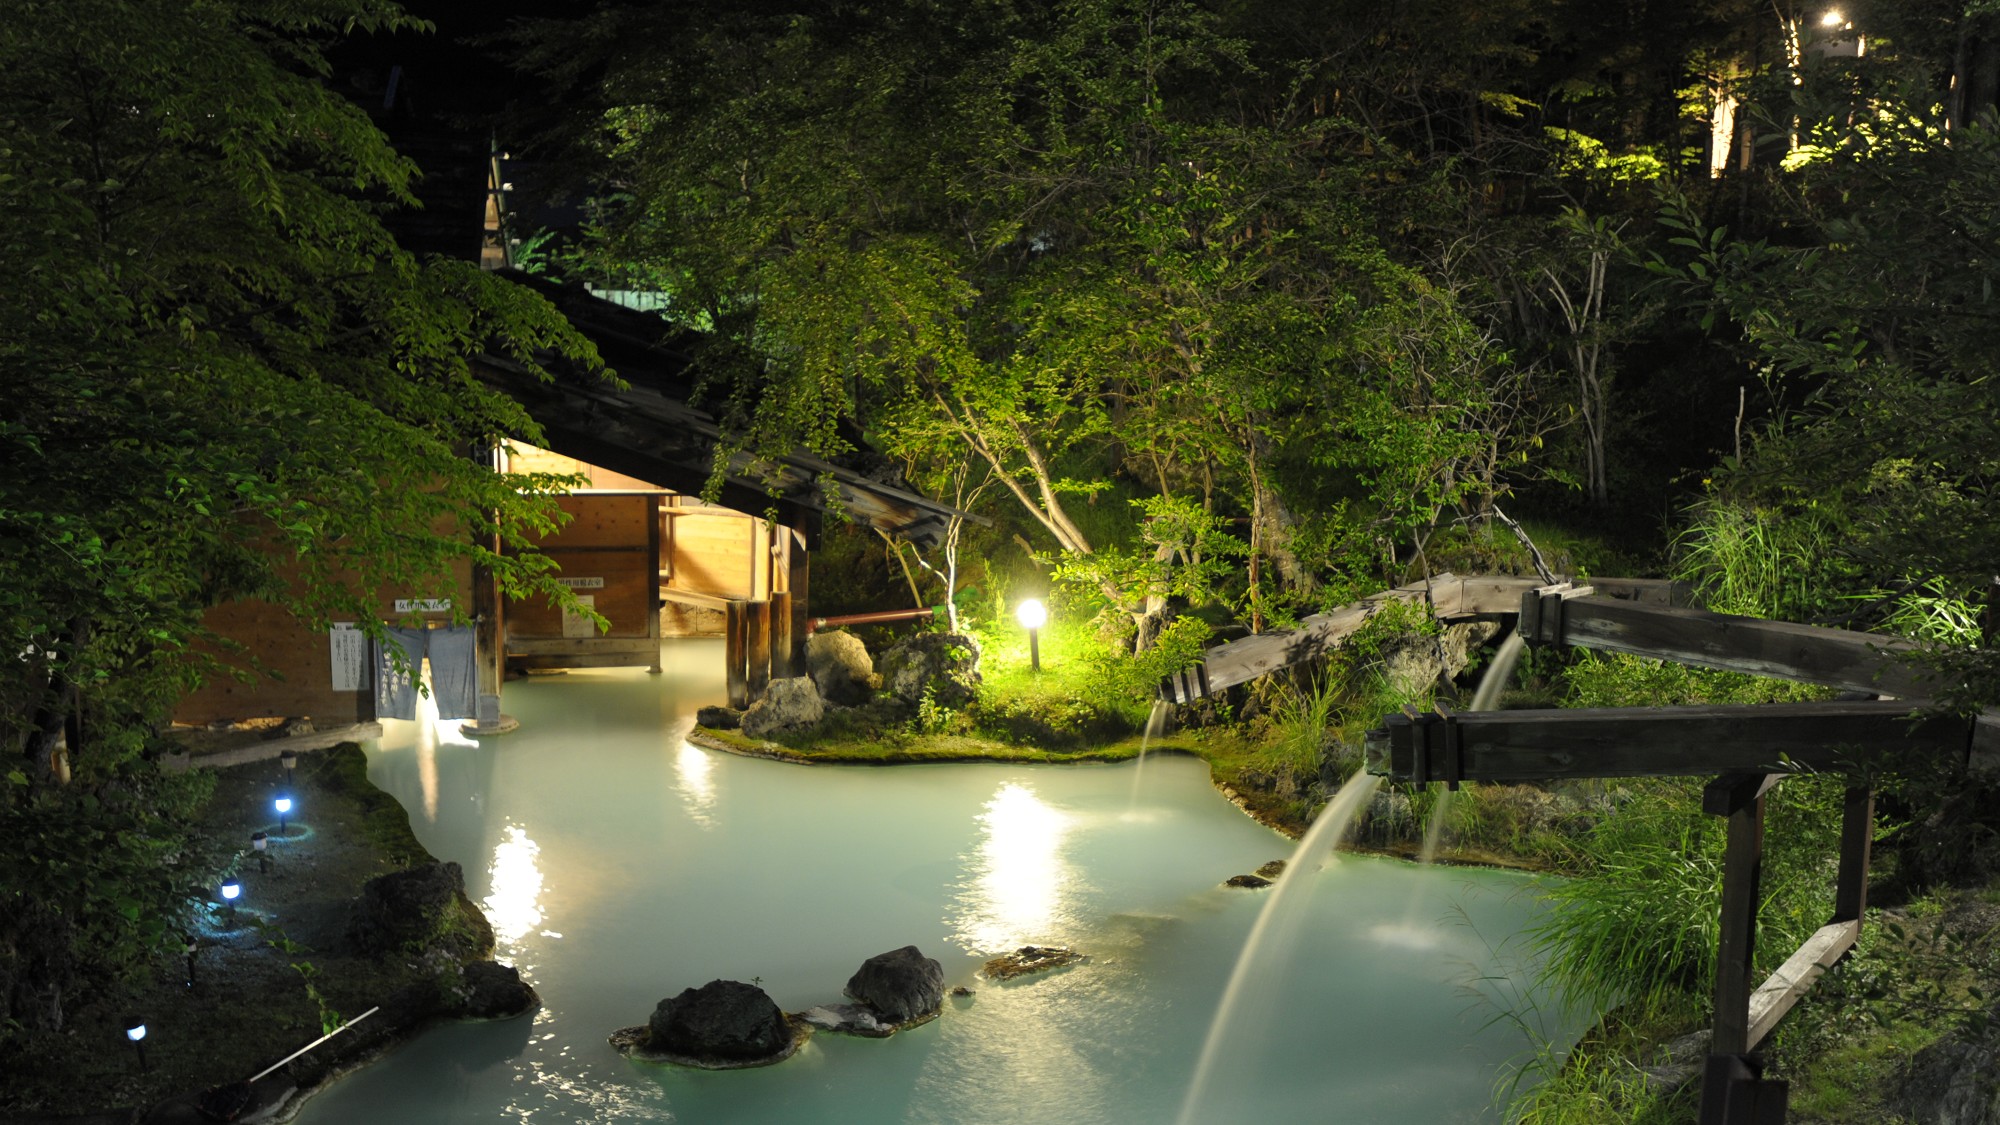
x: 260, y: 842
x: 1032, y: 615
x: 190, y: 948
x: 135, y: 1030
x: 284, y: 807
x: 288, y: 759
x: 230, y: 889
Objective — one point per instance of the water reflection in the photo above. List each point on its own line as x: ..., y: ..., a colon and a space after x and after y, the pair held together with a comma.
x: 1023, y: 885
x: 514, y: 903
x: 694, y: 779
x: 433, y: 733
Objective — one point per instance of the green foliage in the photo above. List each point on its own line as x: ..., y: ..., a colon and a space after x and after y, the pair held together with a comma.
x: 1758, y: 561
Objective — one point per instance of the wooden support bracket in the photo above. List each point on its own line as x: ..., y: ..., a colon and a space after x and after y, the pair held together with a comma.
x: 1734, y: 1091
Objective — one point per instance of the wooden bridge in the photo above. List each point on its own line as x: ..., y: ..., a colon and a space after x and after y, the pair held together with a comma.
x: 1882, y: 721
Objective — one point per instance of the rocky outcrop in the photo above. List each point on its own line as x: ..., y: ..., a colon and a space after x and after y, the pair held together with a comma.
x: 1956, y: 1080
x: 841, y: 668
x: 1030, y: 959
x: 901, y: 987
x: 1251, y: 882
x: 423, y: 909
x: 722, y: 1025
x: 788, y: 704
x: 943, y: 665
x: 1415, y: 663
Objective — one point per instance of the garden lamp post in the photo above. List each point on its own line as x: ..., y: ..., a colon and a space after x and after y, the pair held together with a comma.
x: 135, y: 1030
x: 288, y: 759
x: 1032, y: 615
x: 189, y: 947
x: 230, y: 889
x: 260, y: 842
x: 284, y: 807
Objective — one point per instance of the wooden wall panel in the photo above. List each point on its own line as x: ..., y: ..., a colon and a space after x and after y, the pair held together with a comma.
x: 277, y: 640
x: 529, y: 459
x: 690, y: 621
x: 609, y: 538
x: 710, y: 554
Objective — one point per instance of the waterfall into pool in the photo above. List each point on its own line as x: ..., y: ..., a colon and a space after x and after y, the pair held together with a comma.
x: 620, y: 865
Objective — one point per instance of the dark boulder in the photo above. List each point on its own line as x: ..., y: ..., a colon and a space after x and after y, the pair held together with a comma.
x: 1031, y: 959
x: 495, y: 991
x: 719, y: 718
x: 1250, y: 881
x: 790, y: 704
x: 901, y: 985
x: 421, y: 909
x: 723, y: 1019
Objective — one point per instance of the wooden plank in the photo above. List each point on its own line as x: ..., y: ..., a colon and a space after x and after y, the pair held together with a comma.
x: 1742, y: 873
x: 1838, y: 658
x: 1512, y: 746
x: 639, y: 648
x: 690, y: 598
x: 1795, y: 977
x: 798, y: 580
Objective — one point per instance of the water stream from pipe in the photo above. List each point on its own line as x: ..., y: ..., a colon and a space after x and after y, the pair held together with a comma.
x: 1498, y: 675
x: 1156, y: 726
x: 1275, y: 935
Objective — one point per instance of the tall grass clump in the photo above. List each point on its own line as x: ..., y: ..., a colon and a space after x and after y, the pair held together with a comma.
x: 1755, y: 561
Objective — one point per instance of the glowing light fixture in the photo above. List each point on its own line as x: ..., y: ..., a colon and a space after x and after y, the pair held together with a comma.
x: 1032, y: 615
x: 135, y: 1030
x: 231, y: 888
x: 284, y: 806
x: 1833, y: 18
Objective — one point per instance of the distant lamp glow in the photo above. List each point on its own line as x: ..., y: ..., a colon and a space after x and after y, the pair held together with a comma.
x: 1032, y: 615
x: 1832, y: 18
x: 135, y: 1030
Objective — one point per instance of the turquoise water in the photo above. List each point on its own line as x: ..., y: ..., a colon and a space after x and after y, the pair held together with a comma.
x: 620, y: 865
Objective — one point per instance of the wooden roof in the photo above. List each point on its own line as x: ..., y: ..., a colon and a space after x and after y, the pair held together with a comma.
x: 648, y: 430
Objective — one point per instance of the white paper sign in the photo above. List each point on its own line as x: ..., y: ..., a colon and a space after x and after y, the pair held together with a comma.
x: 575, y: 624
x: 348, y: 647
x: 423, y: 605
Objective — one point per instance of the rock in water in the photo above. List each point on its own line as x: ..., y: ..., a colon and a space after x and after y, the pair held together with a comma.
x: 423, y: 908
x: 788, y: 704
x: 1031, y: 959
x: 944, y: 664
x: 840, y: 666
x: 494, y: 991
x: 1250, y: 881
x: 723, y: 1019
x: 901, y: 985
x: 719, y: 718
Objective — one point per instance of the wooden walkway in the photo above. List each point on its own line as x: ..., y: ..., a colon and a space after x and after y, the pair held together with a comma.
x: 1882, y: 722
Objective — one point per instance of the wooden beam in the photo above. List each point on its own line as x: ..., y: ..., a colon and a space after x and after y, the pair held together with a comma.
x: 798, y: 579
x: 1795, y: 977
x: 1742, y: 874
x: 1863, y: 662
x: 1734, y: 1091
x: 757, y: 650
x: 1509, y: 746
x: 735, y: 654
x: 715, y: 602
x: 1857, y: 841
x: 638, y: 650
x: 781, y: 636
x: 653, y: 602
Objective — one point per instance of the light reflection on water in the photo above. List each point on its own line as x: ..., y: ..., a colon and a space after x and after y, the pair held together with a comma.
x: 667, y: 866
x: 1021, y: 888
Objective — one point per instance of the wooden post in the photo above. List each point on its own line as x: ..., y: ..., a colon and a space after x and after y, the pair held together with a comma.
x: 782, y: 663
x: 1734, y: 1091
x: 797, y: 574
x: 734, y: 652
x: 653, y: 602
x: 1741, y: 798
x: 757, y: 627
x: 1857, y: 839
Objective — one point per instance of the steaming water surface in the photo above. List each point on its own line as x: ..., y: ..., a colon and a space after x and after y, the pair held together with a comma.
x: 620, y: 865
